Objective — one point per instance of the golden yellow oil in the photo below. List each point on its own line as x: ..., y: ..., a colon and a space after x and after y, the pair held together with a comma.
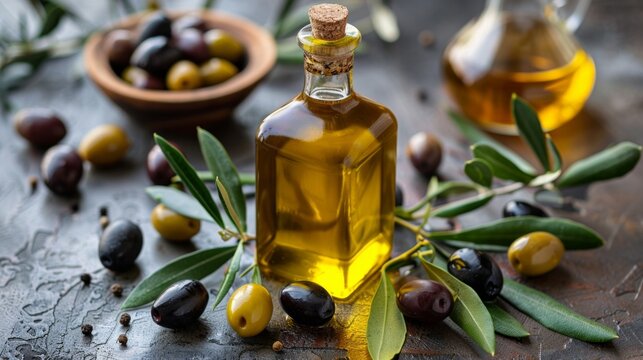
x: 326, y: 191
x: 534, y: 59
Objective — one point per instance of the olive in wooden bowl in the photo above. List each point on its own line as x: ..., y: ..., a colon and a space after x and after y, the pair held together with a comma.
x: 133, y: 70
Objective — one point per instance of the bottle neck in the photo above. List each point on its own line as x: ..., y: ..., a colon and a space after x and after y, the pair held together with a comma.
x: 328, y: 78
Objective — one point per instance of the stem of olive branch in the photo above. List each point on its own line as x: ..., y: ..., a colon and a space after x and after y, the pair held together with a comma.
x: 405, y: 256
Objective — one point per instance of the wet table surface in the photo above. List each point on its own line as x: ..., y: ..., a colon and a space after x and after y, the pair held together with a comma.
x: 47, y: 241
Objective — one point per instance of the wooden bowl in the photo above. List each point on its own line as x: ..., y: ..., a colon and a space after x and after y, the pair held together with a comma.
x: 185, y: 109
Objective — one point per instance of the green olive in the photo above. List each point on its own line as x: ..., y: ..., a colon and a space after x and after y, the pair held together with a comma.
x: 535, y: 253
x: 104, y: 145
x: 249, y: 310
x: 215, y: 71
x: 223, y: 45
x: 173, y: 226
x: 184, y: 75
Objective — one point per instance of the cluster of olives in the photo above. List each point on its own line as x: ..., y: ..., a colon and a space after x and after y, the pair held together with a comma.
x: 62, y: 165
x: 175, y: 55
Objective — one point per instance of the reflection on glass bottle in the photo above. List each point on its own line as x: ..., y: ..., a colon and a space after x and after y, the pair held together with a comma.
x: 326, y: 175
x: 521, y: 47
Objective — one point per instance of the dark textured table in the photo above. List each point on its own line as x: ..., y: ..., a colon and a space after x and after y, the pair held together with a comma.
x: 47, y: 241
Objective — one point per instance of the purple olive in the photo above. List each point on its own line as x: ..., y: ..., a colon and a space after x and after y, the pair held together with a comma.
x: 425, y: 152
x: 180, y: 305
x: 155, y: 55
x: 424, y: 300
x: 120, y: 46
x: 62, y: 169
x: 189, y: 22
x: 120, y: 244
x: 156, y: 24
x: 307, y: 303
x: 141, y: 79
x: 478, y: 270
x: 158, y: 169
x: 43, y: 128
x: 191, y: 44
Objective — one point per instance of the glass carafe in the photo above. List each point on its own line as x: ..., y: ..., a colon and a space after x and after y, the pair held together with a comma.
x: 524, y: 47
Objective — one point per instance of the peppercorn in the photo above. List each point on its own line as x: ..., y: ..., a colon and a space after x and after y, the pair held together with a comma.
x: 277, y: 346
x: 122, y: 339
x: 116, y: 289
x: 86, y: 329
x: 125, y: 319
x: 86, y: 278
x: 102, y: 211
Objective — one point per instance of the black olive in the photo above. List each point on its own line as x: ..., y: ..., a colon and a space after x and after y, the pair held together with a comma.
x: 155, y: 55
x: 307, y: 303
x: 120, y: 245
x: 478, y: 270
x: 181, y: 304
x: 62, y: 169
x: 522, y: 208
x: 424, y: 300
x: 191, y: 44
x: 425, y: 152
x: 399, y: 196
x: 158, y: 169
x: 120, y: 45
x: 189, y: 22
x: 156, y: 25
x: 43, y: 128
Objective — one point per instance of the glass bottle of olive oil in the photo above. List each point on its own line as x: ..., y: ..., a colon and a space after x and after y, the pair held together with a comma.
x: 326, y: 169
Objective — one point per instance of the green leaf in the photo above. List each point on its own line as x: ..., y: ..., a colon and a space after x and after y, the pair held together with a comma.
x: 530, y: 129
x: 554, y: 315
x: 384, y: 22
x: 195, y: 265
x: 501, y: 166
x: 189, y: 177
x: 289, y: 21
x: 225, y: 199
x: 179, y: 202
x: 468, y: 311
x: 462, y: 206
x: 221, y: 166
x: 447, y: 188
x: 256, y: 275
x: 386, y: 329
x: 230, y: 275
x: 53, y: 15
x: 503, y: 232
x: 474, y: 135
x: 610, y: 163
x: 556, y: 170
x: 479, y: 172
x: 289, y: 54
x: 504, y: 323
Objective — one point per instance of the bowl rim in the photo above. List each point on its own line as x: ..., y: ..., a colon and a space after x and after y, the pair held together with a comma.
x: 260, y: 48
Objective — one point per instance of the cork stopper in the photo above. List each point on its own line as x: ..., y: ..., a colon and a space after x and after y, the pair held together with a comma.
x: 328, y: 21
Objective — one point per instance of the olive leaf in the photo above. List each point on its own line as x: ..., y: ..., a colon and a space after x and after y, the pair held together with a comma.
x: 610, y: 163
x: 256, y: 275
x: 230, y: 275
x: 289, y: 54
x: 479, y: 172
x: 503, y: 232
x: 386, y: 329
x: 474, y: 135
x: 554, y: 315
x: 504, y: 323
x: 555, y: 171
x: 482, y: 247
x: 530, y: 129
x: 229, y: 208
x: 462, y: 206
x: 244, y: 178
x: 188, y: 175
x: 384, y: 22
x: 469, y: 312
x: 221, y: 166
x: 195, y: 265
x: 179, y: 202
x: 54, y: 13
x: 501, y: 166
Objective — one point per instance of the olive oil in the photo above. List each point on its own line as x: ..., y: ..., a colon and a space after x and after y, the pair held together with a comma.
x: 531, y: 57
x: 326, y: 177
